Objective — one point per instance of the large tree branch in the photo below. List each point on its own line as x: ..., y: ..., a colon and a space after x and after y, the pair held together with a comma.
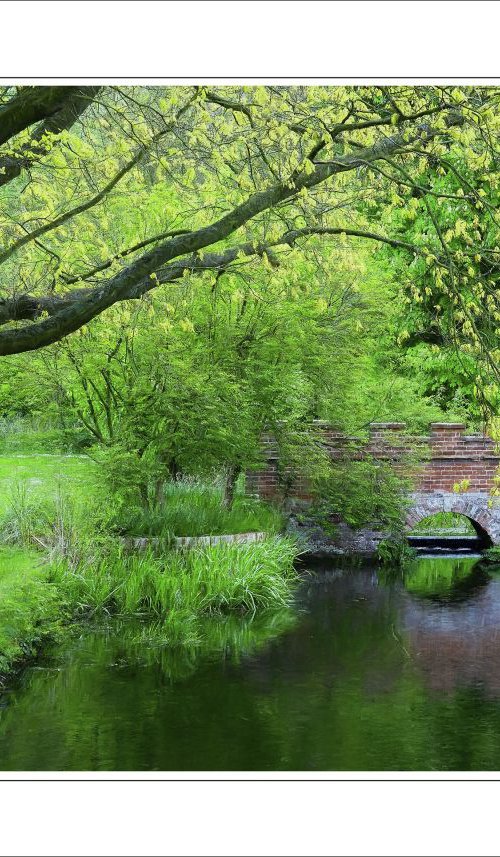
x: 30, y: 307
x: 64, y: 118
x: 154, y: 239
x: 31, y: 105
x: 85, y: 307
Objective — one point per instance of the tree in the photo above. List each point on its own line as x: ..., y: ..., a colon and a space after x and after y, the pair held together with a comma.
x: 218, y: 178
x: 189, y: 383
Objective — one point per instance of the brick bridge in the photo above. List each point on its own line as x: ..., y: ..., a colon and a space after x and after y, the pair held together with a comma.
x: 446, y: 456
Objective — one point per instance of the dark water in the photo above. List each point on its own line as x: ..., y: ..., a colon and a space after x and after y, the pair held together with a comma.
x: 373, y: 671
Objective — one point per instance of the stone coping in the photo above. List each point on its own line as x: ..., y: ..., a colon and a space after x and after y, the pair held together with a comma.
x: 143, y: 542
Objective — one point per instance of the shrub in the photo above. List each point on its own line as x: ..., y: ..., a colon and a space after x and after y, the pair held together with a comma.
x: 361, y: 493
x: 491, y: 555
x: 395, y: 550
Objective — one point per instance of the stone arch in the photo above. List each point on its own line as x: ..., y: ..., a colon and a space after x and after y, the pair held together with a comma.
x: 484, y: 520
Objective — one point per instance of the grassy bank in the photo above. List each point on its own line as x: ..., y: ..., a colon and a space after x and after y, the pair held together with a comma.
x: 218, y: 579
x: 61, y: 558
x: 30, y: 606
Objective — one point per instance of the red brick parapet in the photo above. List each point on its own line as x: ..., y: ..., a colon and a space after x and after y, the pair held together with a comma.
x: 445, y: 457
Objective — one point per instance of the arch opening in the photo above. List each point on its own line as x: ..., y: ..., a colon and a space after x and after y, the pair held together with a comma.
x: 453, y: 531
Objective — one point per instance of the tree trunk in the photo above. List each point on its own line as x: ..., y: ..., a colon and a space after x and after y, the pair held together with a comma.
x: 230, y: 481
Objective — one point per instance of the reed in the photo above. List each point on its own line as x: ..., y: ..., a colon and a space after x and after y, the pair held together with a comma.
x: 218, y: 579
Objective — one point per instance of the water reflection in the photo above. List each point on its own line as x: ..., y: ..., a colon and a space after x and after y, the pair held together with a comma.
x: 446, y: 579
x: 454, y: 635
x: 373, y: 671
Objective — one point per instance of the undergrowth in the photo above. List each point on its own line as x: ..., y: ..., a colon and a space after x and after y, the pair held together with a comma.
x: 190, y: 508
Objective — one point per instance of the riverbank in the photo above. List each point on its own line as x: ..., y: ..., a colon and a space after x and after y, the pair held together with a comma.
x: 371, y: 670
x: 31, y: 608
x: 174, y: 590
x: 59, y: 561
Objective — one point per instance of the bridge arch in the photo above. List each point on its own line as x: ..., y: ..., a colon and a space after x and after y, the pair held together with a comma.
x: 475, y: 509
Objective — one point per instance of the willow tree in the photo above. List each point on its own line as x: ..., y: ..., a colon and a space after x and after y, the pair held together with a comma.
x: 107, y: 193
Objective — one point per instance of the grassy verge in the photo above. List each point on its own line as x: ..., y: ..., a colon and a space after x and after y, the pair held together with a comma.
x: 30, y: 606
x: 51, y: 503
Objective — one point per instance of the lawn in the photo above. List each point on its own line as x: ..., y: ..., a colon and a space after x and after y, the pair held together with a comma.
x: 43, y: 475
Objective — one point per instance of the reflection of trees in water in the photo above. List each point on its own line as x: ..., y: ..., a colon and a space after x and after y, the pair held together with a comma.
x: 334, y: 688
x: 445, y: 579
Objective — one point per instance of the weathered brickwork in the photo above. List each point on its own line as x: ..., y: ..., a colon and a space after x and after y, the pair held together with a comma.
x: 444, y: 458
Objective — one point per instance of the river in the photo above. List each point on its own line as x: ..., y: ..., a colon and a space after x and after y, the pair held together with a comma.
x: 373, y: 670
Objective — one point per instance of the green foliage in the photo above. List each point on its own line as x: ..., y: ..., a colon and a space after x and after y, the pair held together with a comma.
x: 445, y: 521
x: 491, y: 555
x: 30, y: 607
x: 395, y: 551
x: 362, y: 493
x: 32, y: 437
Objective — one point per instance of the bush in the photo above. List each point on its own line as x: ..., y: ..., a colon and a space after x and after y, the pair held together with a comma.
x: 361, y: 493
x: 492, y: 555
x: 395, y: 551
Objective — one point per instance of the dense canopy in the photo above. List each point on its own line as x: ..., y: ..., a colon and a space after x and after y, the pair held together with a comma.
x: 107, y: 193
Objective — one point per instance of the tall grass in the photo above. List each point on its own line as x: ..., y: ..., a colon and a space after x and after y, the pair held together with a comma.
x: 58, y: 523
x: 190, y: 508
x: 218, y: 579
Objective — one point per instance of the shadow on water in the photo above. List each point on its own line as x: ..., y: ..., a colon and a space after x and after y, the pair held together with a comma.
x: 372, y: 671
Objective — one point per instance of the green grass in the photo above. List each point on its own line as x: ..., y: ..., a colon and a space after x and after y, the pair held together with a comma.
x: 196, y: 509
x: 52, y: 502
x: 25, y: 435
x: 218, y: 579
x: 445, y: 521
x: 46, y: 475
x: 29, y: 606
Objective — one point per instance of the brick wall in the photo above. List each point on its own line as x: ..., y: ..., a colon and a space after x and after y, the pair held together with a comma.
x: 446, y: 456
